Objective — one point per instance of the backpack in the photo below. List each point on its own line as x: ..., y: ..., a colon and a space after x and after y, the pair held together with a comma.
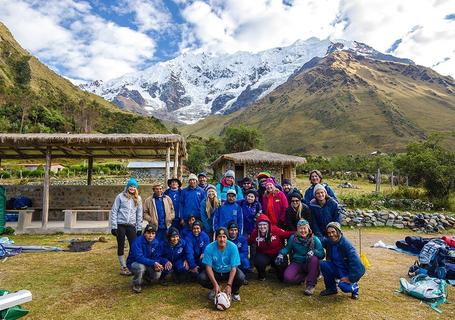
x: 430, y: 290
x: 428, y: 257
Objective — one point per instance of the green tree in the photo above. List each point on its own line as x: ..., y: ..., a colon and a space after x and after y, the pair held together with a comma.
x: 242, y: 138
x: 197, y: 157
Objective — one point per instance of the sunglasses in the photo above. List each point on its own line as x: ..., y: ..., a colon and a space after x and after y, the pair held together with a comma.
x: 295, y: 200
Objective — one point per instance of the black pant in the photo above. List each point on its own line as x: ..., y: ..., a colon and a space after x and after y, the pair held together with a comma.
x: 261, y: 261
x: 204, y: 280
x: 125, y: 230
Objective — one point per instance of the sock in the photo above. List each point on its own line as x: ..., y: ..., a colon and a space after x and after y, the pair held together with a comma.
x: 121, y: 260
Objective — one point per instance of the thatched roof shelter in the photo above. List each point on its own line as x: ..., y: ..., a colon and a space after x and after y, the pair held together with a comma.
x: 32, y: 146
x: 259, y: 156
x: 250, y: 163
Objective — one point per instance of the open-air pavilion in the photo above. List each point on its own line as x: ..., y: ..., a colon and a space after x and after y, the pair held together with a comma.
x: 167, y: 147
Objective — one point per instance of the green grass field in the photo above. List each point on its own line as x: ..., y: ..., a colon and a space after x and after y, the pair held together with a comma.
x: 87, y: 285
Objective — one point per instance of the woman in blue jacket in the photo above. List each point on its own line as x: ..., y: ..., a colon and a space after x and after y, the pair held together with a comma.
x: 323, y: 210
x: 315, y: 178
x: 342, y: 263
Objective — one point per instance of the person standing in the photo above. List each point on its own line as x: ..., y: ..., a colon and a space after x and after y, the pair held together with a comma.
x: 251, y: 209
x: 174, y: 192
x: 145, y: 260
x: 228, y: 183
x: 159, y: 211
x: 288, y: 189
x: 126, y: 220
x: 296, y: 211
x: 274, y: 203
x: 208, y: 208
x: 190, y: 200
x: 315, y: 178
x: 202, y: 180
x: 221, y: 259
x: 342, y: 262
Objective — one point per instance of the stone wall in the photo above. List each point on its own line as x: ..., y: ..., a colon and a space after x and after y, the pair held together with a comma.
x: 67, y: 197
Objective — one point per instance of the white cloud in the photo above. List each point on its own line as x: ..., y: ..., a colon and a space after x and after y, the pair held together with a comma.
x: 151, y: 15
x: 68, y: 37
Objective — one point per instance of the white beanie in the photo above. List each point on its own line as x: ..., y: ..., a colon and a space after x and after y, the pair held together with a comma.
x: 192, y: 176
x: 318, y: 187
x: 230, y: 173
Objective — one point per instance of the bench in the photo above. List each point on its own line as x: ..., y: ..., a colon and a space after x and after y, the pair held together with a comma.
x: 14, y: 299
x: 25, y: 218
x: 70, y: 216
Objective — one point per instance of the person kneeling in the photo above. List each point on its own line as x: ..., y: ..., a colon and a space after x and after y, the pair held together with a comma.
x: 144, y: 259
x: 342, y: 263
x: 305, y: 250
x: 221, y: 259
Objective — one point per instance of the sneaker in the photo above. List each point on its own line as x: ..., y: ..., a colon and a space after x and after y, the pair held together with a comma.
x: 137, y: 288
x: 355, y: 296
x: 261, y: 277
x: 164, y: 282
x: 211, y: 295
x: 124, y: 271
x: 327, y: 292
x: 245, y: 282
x: 355, y: 291
x: 236, y: 297
x: 309, y: 291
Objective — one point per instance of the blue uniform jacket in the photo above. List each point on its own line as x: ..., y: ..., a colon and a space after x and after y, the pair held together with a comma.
x: 309, y: 193
x: 198, y: 244
x: 177, y: 254
x: 175, y: 197
x: 351, y: 259
x: 226, y: 213
x: 190, y: 202
x: 145, y: 252
x: 250, y: 211
x: 321, y: 216
x: 242, y: 244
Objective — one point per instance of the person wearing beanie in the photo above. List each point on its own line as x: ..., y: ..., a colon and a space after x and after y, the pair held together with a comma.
x: 323, y: 210
x: 315, y: 178
x: 228, y: 183
x: 297, y: 210
x: 222, y: 259
x: 202, y: 180
x: 126, y: 220
x: 251, y: 209
x: 178, y: 256
x: 174, y: 192
x: 198, y: 240
x: 227, y: 212
x: 247, y: 184
x: 159, y: 211
x: 269, y: 240
x: 190, y: 200
x: 242, y: 245
x: 274, y: 203
x: 207, y: 210
x: 305, y: 251
x: 262, y: 177
x: 342, y: 262
x: 144, y: 259
x: 288, y: 189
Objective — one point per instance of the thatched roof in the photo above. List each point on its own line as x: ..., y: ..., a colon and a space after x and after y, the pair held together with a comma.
x: 26, y: 146
x: 259, y: 156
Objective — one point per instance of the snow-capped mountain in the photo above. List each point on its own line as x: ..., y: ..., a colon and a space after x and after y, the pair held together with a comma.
x: 195, y: 85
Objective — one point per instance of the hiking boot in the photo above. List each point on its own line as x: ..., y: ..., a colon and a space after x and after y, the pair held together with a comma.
x: 261, y: 276
x: 164, y: 282
x: 212, y: 295
x: 309, y: 290
x: 124, y: 271
x: 236, y: 297
x: 137, y: 288
x: 245, y: 282
x: 327, y: 292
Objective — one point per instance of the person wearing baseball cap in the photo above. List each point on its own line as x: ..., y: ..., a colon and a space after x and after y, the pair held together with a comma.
x: 342, y: 262
x: 229, y: 211
x: 227, y: 183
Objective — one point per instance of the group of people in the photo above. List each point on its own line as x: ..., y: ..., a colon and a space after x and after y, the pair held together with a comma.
x: 212, y: 233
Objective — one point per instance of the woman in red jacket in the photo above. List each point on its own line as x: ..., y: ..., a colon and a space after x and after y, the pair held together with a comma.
x: 269, y: 241
x: 274, y: 203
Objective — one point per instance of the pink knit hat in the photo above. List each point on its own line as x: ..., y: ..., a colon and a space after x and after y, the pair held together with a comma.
x: 269, y: 180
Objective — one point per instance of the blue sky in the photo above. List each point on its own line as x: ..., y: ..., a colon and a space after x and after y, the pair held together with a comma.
x: 104, y: 39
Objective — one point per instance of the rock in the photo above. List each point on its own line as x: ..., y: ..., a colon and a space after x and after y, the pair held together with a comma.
x: 389, y: 223
x: 391, y: 216
x: 399, y: 225
x: 378, y: 224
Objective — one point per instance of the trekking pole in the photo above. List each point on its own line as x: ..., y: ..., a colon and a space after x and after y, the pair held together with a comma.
x: 363, y: 257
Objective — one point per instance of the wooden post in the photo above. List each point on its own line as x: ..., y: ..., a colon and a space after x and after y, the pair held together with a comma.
x: 391, y: 180
x: 90, y: 171
x: 378, y: 181
x: 47, y: 170
x: 176, y: 161
x: 168, y: 161
x: 180, y: 169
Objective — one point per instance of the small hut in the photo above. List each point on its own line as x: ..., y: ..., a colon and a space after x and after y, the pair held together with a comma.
x: 250, y: 163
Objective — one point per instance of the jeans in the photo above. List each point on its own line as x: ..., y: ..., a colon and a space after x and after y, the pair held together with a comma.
x: 141, y: 271
x: 298, y: 272
x: 204, y: 280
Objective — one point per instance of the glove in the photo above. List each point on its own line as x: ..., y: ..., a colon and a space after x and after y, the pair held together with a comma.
x: 279, y: 259
x: 310, y: 254
x: 138, y: 233
x: 114, y: 232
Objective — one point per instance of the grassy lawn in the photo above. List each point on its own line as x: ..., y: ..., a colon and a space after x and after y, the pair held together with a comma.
x: 87, y: 285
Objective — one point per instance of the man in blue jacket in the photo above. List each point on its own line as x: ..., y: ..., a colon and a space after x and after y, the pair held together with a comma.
x: 174, y: 192
x: 342, y: 263
x: 190, y: 200
x: 178, y: 256
x: 229, y: 211
x: 198, y: 240
x: 242, y: 244
x: 145, y: 260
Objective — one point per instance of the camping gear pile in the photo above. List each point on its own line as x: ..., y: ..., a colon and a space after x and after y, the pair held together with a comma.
x: 435, y: 265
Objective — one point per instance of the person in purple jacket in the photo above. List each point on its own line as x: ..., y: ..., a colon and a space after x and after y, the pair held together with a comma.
x: 251, y: 209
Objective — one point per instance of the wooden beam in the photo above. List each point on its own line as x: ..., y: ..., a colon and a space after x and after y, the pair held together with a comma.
x: 180, y: 169
x: 90, y: 171
x: 168, y: 161
x: 47, y: 170
x: 176, y: 160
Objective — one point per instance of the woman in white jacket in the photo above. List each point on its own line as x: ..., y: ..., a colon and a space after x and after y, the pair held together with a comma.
x: 126, y: 220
